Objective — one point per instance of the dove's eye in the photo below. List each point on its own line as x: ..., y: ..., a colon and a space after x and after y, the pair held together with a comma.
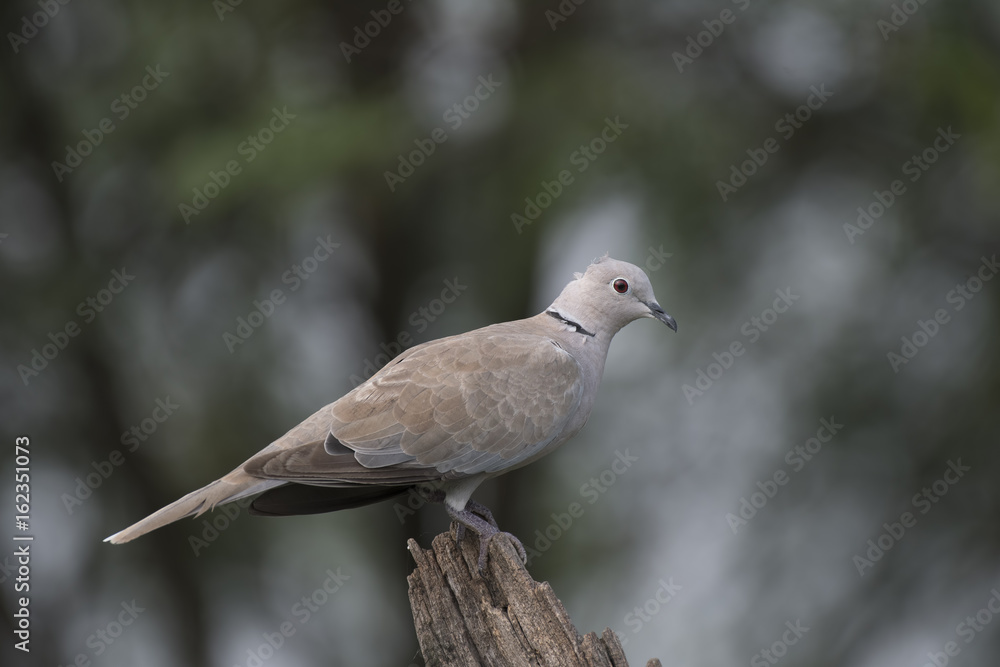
x: 620, y: 285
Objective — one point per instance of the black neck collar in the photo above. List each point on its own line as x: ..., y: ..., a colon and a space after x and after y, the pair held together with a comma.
x: 576, y: 325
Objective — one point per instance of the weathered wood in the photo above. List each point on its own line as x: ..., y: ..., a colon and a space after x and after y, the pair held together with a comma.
x: 501, y: 618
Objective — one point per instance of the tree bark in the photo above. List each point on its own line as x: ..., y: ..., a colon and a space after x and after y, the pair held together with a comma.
x: 501, y: 618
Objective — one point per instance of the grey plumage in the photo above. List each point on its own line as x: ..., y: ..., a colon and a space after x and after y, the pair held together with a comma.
x: 451, y: 412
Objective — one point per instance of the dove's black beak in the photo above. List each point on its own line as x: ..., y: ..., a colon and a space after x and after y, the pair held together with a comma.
x: 656, y: 311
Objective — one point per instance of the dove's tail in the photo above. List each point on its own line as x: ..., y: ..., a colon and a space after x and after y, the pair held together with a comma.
x: 233, y: 486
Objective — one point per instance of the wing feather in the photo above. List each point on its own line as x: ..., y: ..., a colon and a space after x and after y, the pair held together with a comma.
x: 476, y: 403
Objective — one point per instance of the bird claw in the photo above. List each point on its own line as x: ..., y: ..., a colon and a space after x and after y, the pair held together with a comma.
x: 478, y: 518
x: 484, y: 547
x: 481, y: 510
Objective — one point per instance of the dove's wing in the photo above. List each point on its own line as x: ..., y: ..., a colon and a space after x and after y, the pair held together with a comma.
x: 481, y: 402
x: 478, y: 403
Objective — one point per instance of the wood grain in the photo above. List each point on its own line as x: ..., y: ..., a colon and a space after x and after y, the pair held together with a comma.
x: 502, y: 618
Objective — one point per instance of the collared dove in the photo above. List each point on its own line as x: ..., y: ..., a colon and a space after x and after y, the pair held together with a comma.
x: 449, y: 413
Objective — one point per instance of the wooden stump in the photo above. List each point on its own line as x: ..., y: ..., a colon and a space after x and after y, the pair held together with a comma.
x: 501, y: 618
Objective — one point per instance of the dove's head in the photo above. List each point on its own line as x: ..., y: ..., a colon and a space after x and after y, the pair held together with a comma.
x: 609, y: 295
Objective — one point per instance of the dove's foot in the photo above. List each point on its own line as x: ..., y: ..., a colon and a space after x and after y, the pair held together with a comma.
x: 438, y: 496
x: 479, y: 519
x: 481, y: 510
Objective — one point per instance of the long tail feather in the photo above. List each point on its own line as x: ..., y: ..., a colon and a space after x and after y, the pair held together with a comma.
x: 233, y: 486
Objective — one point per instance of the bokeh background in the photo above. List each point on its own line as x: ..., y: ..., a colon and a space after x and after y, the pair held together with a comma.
x: 892, y: 79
